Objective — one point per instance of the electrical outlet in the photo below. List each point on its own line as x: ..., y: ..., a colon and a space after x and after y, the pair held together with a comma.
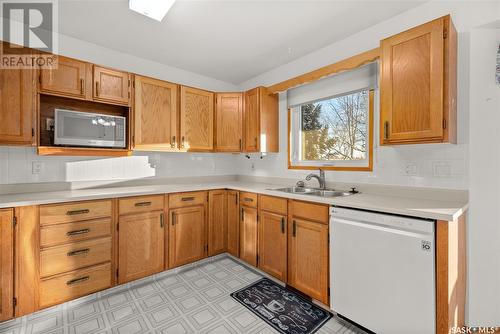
x: 252, y: 166
x: 49, y: 124
x: 441, y: 169
x: 36, y: 167
x: 411, y: 169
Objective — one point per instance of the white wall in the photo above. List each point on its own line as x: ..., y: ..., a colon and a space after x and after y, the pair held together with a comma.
x: 484, y: 190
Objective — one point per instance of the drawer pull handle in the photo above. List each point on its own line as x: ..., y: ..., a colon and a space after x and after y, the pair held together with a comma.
x: 161, y: 220
x: 294, y: 228
x: 283, y: 225
x: 77, y: 212
x: 78, y: 232
x: 186, y: 199
x: 79, y: 252
x: 143, y: 204
x: 248, y: 199
x: 78, y: 280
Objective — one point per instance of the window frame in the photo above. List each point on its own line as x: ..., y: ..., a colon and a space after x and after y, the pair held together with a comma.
x: 338, y: 165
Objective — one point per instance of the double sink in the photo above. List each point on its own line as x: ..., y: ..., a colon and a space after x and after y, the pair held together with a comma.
x: 316, y: 192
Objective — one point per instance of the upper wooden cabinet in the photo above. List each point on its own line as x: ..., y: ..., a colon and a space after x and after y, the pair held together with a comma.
x: 196, y: 119
x: 17, y: 107
x: 155, y: 115
x: 6, y: 264
x: 217, y: 222
x: 111, y: 86
x: 228, y: 125
x: 418, y: 84
x: 260, y: 121
x: 70, y: 78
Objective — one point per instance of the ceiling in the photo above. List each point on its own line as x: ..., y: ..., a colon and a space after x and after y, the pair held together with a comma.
x: 229, y: 40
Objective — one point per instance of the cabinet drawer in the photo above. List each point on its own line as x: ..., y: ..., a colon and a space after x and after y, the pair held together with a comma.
x: 273, y: 204
x: 140, y: 204
x: 70, y: 212
x: 310, y: 211
x: 71, y: 232
x: 248, y: 199
x: 77, y: 255
x: 74, y: 284
x: 187, y: 199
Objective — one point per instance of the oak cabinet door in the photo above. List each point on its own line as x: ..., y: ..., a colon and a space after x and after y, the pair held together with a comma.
x: 6, y: 264
x: 111, y: 86
x: 412, y: 85
x: 252, y: 121
x: 68, y: 79
x: 248, y: 235
x: 308, y: 258
x: 217, y: 222
x: 187, y: 235
x: 140, y: 245
x: 233, y: 223
x: 272, y: 244
x: 196, y: 119
x: 229, y: 113
x: 155, y: 114
x: 17, y: 107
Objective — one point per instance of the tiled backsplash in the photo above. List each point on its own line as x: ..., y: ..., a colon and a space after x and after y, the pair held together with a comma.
x: 19, y: 165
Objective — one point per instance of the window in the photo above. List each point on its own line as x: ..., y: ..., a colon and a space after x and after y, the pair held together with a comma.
x: 333, y: 133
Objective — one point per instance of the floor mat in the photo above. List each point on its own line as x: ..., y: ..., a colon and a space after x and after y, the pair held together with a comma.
x: 283, y: 309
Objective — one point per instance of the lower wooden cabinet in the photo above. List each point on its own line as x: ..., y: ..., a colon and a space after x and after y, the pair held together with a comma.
x: 217, y: 222
x: 272, y: 244
x: 248, y: 235
x: 233, y: 223
x: 74, y: 284
x: 6, y: 264
x: 187, y: 235
x: 308, y: 258
x: 141, y: 239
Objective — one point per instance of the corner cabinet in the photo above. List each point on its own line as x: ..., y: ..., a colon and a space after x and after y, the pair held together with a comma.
x: 6, y: 264
x: 418, y: 85
x: 260, y: 121
x: 196, y: 120
x: 155, y: 115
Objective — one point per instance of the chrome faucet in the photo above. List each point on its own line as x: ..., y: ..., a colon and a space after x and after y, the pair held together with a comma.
x: 320, y: 178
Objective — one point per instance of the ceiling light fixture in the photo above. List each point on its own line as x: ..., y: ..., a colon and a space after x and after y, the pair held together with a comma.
x: 155, y: 9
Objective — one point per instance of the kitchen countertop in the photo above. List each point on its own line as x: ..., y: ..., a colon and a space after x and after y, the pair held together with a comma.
x: 415, y: 207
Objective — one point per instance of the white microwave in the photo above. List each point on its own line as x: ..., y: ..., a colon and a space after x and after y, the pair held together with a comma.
x: 76, y: 128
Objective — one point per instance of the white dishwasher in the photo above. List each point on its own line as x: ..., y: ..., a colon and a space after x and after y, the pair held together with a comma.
x: 382, y: 272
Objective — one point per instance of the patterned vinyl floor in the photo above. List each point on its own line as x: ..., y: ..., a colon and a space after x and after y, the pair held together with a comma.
x: 193, y: 299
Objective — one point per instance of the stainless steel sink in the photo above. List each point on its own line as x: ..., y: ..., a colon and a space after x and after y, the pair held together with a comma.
x: 315, y: 191
x: 331, y: 193
x: 296, y: 190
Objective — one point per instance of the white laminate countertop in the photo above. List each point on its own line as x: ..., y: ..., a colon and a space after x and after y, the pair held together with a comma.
x: 415, y: 207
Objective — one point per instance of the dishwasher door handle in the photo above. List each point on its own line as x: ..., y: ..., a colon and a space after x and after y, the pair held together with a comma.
x: 383, y: 228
